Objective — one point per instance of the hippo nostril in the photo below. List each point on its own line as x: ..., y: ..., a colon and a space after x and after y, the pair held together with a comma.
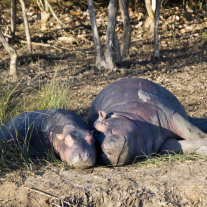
x: 76, y: 158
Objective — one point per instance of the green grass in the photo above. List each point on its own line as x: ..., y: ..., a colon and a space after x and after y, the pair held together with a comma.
x: 15, y: 100
x: 166, y: 159
x: 205, y: 35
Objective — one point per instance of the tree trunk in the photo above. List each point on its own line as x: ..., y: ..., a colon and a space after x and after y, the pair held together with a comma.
x: 45, y: 15
x: 13, y: 54
x: 150, y: 21
x: 112, y: 11
x: 100, y: 60
x: 156, y: 38
x: 117, y: 48
x: 13, y: 18
x: 24, y: 12
x: 127, y: 28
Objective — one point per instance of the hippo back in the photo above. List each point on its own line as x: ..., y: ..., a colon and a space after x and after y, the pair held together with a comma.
x: 129, y: 94
x: 35, y: 125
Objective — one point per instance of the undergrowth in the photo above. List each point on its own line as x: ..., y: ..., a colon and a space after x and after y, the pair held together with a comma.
x: 15, y: 100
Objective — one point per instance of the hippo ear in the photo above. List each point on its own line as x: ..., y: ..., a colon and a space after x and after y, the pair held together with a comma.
x: 67, y: 128
x: 102, y: 126
x: 69, y: 140
x: 89, y: 137
x: 101, y: 115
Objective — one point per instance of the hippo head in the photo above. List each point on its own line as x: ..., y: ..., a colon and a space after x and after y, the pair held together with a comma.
x: 117, y: 138
x: 74, y: 146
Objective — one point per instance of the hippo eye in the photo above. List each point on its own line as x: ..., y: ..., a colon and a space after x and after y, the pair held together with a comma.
x: 102, y: 126
x: 69, y: 140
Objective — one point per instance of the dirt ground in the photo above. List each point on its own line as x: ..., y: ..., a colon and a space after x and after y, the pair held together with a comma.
x: 182, y: 70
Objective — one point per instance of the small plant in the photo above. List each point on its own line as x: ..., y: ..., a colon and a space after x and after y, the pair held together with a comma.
x: 205, y: 35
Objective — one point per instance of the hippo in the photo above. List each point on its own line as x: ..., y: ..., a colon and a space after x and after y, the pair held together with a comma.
x: 56, y: 129
x: 135, y: 117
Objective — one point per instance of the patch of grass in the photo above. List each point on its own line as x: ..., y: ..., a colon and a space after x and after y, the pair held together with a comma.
x: 157, y: 160
x: 53, y: 94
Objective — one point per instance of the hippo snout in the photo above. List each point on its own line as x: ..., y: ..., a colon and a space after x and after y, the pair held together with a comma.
x: 82, y: 160
x: 114, y: 150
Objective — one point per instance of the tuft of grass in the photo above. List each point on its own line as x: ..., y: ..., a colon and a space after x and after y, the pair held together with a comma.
x: 14, y: 101
x: 5, y: 97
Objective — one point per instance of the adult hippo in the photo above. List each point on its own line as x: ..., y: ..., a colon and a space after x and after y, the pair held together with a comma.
x: 58, y: 129
x: 135, y: 117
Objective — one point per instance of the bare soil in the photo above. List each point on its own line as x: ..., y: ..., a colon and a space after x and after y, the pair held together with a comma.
x: 182, y: 70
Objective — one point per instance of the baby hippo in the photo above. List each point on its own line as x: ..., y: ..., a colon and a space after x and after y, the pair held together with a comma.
x: 57, y: 129
x: 135, y: 117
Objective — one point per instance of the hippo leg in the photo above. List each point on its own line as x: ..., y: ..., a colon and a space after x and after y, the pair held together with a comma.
x: 184, y: 146
x: 185, y: 129
x: 201, y: 123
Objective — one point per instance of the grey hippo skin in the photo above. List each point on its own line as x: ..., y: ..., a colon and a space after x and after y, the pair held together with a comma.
x: 58, y: 129
x: 135, y: 117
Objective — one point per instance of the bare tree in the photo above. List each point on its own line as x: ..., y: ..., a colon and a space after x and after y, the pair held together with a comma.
x: 112, y: 11
x: 45, y: 14
x: 45, y: 9
x: 156, y: 39
x: 100, y: 59
x: 153, y: 10
x: 112, y: 52
x: 13, y: 18
x: 24, y: 12
x: 127, y: 28
x: 13, y: 54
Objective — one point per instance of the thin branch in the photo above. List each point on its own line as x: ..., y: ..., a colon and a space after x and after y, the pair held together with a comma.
x: 44, y: 45
x: 47, y: 194
x: 40, y: 5
x: 13, y: 18
x: 13, y: 54
x: 24, y: 12
x: 53, y: 13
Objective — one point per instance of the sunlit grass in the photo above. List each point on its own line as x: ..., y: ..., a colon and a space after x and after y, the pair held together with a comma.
x: 15, y: 101
x: 157, y: 160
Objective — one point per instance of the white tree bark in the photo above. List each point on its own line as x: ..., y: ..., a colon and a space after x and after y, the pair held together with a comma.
x: 13, y: 54
x: 150, y: 21
x: 153, y: 10
x: 24, y: 12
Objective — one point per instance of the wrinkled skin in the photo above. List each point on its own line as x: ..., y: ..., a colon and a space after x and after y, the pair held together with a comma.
x: 135, y: 117
x: 57, y: 129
